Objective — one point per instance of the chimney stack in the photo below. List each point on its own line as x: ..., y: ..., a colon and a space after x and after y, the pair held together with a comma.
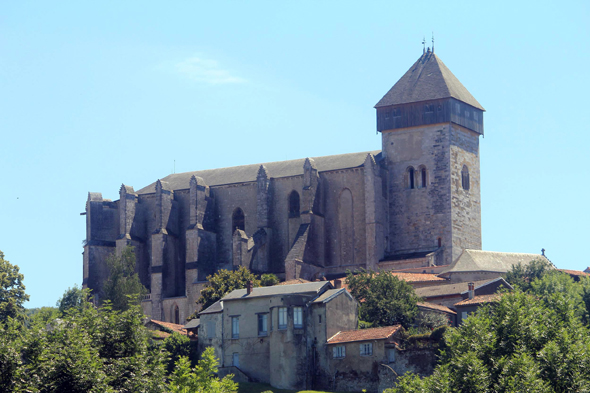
x: 248, y: 287
x: 338, y: 283
x: 471, y: 289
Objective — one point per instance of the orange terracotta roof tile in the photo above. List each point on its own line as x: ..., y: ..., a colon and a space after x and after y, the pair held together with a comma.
x: 575, y: 272
x: 494, y: 297
x: 437, y: 307
x: 159, y: 335
x: 172, y: 326
x: 417, y: 277
x: 379, y: 333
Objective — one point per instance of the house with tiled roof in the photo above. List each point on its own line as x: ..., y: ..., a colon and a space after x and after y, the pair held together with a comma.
x: 449, y: 294
x: 162, y: 330
x: 275, y: 334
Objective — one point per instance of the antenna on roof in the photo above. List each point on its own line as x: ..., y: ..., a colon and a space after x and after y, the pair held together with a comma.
x: 424, y: 45
x: 433, y: 42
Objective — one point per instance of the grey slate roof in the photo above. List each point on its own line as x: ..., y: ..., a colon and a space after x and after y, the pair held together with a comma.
x: 214, y: 308
x: 310, y: 287
x: 489, y: 261
x: 247, y: 173
x: 193, y: 323
x: 427, y: 79
x: 330, y: 294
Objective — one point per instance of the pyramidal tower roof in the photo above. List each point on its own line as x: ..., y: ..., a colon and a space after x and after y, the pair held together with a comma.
x: 428, y: 79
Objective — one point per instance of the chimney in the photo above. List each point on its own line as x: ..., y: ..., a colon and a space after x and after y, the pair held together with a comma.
x: 338, y: 283
x: 248, y: 287
x: 471, y: 289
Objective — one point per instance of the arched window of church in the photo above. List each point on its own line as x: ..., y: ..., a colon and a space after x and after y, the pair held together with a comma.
x: 423, y: 177
x: 294, y: 208
x: 465, y: 178
x: 238, y: 221
x: 176, y: 315
x: 346, y: 227
x: 411, y: 175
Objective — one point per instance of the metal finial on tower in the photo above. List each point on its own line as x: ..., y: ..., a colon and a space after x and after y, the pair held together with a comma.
x: 424, y: 45
x: 543, y: 251
x: 433, y: 42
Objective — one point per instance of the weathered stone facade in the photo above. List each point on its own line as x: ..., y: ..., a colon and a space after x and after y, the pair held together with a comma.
x: 415, y: 203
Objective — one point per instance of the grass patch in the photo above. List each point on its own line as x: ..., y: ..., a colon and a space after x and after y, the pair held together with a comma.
x: 253, y: 387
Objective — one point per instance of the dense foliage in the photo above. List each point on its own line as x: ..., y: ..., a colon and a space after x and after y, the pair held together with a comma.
x: 225, y: 281
x: 81, y: 348
x: 74, y: 297
x: 384, y: 299
x: 123, y: 287
x: 534, y: 341
x: 201, y: 378
x: 522, y: 276
x: 12, y: 291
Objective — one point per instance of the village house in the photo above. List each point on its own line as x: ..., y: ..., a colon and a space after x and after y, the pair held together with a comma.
x: 274, y: 334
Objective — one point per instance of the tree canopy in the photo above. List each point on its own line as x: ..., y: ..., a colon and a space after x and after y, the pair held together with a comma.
x: 225, y: 281
x: 523, y: 275
x: 123, y: 287
x: 384, y: 299
x: 533, y: 342
x: 12, y: 291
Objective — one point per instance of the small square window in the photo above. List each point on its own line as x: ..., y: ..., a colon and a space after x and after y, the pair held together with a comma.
x: 366, y: 349
x: 338, y: 352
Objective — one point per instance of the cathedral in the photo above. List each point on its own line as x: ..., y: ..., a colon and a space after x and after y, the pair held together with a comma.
x: 414, y: 205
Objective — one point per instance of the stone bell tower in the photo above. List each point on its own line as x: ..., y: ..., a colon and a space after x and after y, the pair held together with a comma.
x: 430, y: 126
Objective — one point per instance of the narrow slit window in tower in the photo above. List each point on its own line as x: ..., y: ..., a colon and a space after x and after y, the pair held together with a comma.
x: 465, y: 178
x: 423, y: 177
x: 411, y: 184
x: 176, y: 315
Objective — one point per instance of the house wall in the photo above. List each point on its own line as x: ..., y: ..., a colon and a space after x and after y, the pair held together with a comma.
x: 211, y: 335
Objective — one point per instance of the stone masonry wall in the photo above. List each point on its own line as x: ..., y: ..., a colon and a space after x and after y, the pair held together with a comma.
x: 466, y: 204
x: 419, y: 216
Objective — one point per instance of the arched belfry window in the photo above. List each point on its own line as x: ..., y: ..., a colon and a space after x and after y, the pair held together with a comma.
x: 176, y: 315
x: 238, y: 221
x: 294, y: 208
x: 422, y: 177
x: 465, y: 178
x: 411, y: 175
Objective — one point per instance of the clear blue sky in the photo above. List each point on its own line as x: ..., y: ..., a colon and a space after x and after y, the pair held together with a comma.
x: 95, y: 94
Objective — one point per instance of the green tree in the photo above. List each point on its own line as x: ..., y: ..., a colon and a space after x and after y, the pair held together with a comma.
x: 176, y: 345
x: 384, y: 299
x: 12, y: 291
x: 201, y: 378
x: 225, y: 281
x: 522, y: 276
x: 74, y: 297
x: 521, y: 344
x: 268, y: 280
x: 123, y: 287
